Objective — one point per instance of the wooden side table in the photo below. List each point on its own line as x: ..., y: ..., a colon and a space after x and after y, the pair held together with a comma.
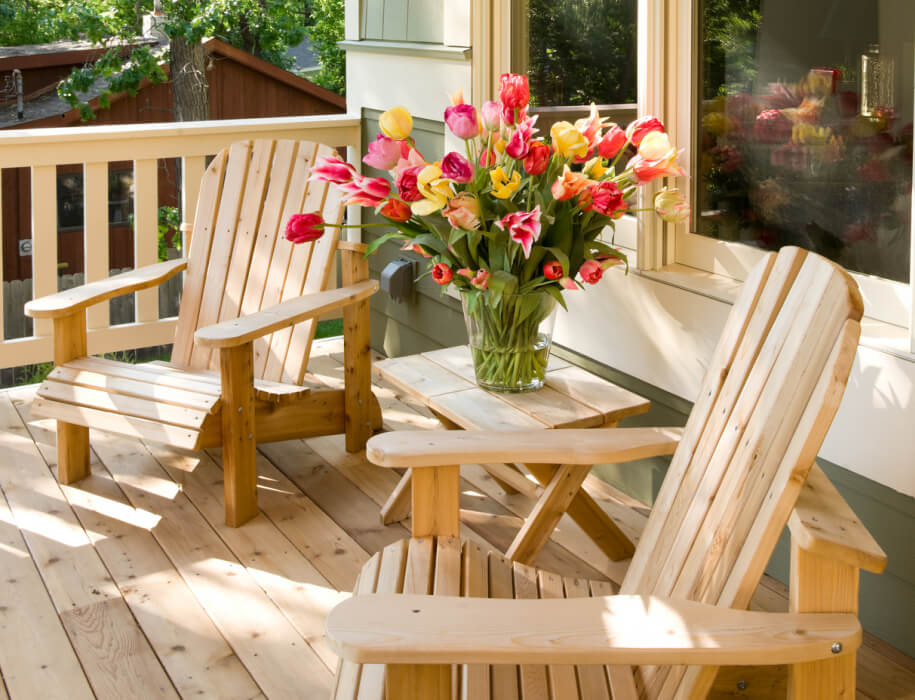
x: 443, y: 380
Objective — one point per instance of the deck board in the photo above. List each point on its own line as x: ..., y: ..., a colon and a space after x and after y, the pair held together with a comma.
x: 136, y: 564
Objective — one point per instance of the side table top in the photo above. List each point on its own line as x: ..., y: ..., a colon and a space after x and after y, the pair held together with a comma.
x: 571, y: 397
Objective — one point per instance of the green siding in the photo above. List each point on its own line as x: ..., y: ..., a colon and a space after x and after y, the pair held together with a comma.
x: 402, y: 20
x: 428, y: 320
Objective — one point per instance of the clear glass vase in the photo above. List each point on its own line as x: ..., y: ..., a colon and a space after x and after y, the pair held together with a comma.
x: 510, y: 339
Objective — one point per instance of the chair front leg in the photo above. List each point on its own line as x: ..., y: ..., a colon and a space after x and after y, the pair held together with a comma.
x: 72, y: 440
x: 403, y: 682
x: 236, y: 368
x: 822, y: 585
x: 357, y: 359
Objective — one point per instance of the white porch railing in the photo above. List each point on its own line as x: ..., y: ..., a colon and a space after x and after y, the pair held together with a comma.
x: 42, y: 150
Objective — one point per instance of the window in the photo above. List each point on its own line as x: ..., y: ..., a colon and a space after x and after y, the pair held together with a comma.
x: 575, y: 53
x: 801, y: 134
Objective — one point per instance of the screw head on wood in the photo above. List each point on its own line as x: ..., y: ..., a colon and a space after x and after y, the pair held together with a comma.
x: 741, y: 685
x: 837, y: 648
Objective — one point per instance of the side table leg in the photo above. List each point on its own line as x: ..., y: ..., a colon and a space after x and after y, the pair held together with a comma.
x: 397, y: 507
x: 590, y: 517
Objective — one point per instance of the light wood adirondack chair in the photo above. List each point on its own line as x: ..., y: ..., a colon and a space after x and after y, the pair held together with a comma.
x: 772, y: 389
x: 245, y: 327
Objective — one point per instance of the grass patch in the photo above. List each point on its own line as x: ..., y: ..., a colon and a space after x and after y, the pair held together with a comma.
x: 328, y: 329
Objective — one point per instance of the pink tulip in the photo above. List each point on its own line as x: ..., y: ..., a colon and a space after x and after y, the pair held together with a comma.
x: 491, y: 116
x: 480, y: 280
x: 612, y: 142
x: 367, y: 191
x: 523, y: 227
x: 519, y: 144
x: 591, y: 271
x: 488, y: 157
x: 638, y: 129
x: 605, y: 198
x: 648, y: 170
x: 407, y: 184
x: 384, y: 153
x: 330, y: 169
x: 462, y: 120
x: 304, y: 227
x: 456, y: 167
x: 568, y: 283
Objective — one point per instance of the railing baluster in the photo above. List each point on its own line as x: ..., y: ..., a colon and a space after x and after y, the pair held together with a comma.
x: 95, y: 235
x: 44, y: 238
x: 146, y: 232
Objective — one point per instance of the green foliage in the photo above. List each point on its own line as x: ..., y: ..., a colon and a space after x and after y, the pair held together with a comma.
x: 325, y: 32
x: 33, y: 374
x: 169, y: 234
x: 729, y: 46
x: 582, y: 51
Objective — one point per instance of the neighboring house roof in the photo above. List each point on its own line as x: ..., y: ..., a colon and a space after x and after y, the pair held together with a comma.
x: 57, y: 53
x: 45, y: 103
x: 304, y: 55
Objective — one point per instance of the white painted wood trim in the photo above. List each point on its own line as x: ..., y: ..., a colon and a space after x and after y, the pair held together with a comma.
x: 95, y: 235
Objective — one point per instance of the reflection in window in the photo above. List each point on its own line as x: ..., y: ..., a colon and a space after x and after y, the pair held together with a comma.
x: 805, y: 128
x: 577, y: 51
x: 70, y: 199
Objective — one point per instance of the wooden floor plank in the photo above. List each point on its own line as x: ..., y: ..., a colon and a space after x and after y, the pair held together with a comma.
x: 219, y: 582
x: 194, y: 654
x: 114, y: 652
x: 36, y: 658
x: 298, y: 589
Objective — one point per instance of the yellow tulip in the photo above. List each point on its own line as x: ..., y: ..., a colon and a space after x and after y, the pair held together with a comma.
x: 594, y: 168
x: 396, y: 123
x: 568, y: 141
x: 502, y: 186
x: 435, y: 190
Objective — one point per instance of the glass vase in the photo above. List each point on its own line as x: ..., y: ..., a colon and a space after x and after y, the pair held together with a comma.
x: 510, y: 338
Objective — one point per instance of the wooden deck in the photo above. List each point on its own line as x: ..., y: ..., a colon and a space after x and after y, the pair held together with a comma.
x: 128, y: 585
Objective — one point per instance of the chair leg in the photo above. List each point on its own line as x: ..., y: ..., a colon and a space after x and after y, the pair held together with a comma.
x: 357, y: 357
x: 236, y: 367
x: 72, y: 440
x: 430, y: 682
x: 822, y: 585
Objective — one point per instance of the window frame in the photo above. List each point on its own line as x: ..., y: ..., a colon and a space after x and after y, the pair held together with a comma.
x: 886, y: 301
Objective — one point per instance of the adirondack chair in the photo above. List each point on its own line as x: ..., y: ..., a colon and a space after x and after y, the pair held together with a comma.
x: 772, y: 389
x: 245, y: 327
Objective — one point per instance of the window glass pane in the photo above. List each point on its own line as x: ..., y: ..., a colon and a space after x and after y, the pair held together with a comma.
x: 577, y: 51
x: 70, y: 202
x: 805, y: 127
x: 120, y: 196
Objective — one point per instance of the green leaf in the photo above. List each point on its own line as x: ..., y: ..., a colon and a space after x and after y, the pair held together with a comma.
x: 381, y: 240
x: 563, y: 259
x: 556, y: 293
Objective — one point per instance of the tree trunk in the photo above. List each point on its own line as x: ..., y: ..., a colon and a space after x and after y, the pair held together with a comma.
x: 190, y: 90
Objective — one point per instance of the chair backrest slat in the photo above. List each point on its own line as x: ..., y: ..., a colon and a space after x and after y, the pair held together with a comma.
x: 773, y: 386
x: 240, y: 261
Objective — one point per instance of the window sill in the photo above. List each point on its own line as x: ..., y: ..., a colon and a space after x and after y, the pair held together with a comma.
x: 877, y: 335
x: 407, y: 48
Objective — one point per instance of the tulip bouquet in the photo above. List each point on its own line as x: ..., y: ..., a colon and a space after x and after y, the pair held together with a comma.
x: 515, y: 220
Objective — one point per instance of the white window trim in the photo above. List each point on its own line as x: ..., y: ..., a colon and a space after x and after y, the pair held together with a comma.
x: 668, y: 58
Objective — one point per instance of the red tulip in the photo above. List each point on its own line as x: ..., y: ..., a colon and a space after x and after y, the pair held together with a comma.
x: 303, y: 228
x: 442, y: 273
x: 552, y: 270
x: 538, y: 158
x: 396, y: 210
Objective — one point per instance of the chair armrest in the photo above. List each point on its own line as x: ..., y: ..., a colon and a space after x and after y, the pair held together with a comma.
x: 622, y: 629
x: 823, y: 523
x: 432, y: 448
x: 247, y: 328
x: 66, y: 302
